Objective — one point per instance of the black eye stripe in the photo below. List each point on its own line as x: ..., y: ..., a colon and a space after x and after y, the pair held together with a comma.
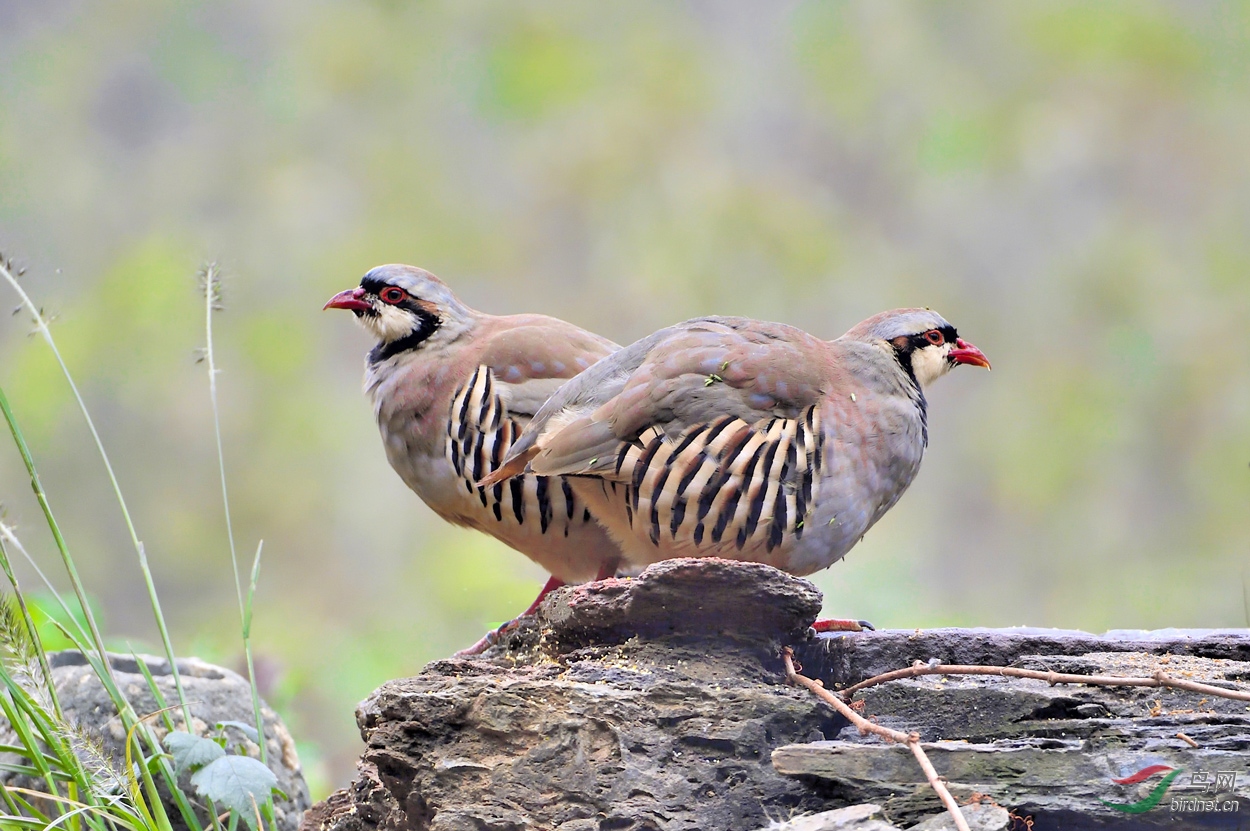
x: 920, y: 341
x: 379, y: 287
x: 373, y: 286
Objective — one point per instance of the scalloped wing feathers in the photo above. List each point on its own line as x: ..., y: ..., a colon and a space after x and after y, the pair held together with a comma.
x: 691, y: 373
x: 532, y: 356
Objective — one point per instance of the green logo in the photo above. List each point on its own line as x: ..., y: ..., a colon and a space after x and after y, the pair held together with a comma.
x: 1155, y: 796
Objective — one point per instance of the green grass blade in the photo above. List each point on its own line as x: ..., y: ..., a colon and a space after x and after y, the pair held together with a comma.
x: 26, y: 736
x: 247, y: 650
x: 212, y: 298
x: 22, y: 808
x: 154, y: 799
x: 62, y: 764
x: 126, y: 713
x: 99, y: 660
x: 164, y: 631
x: 157, y: 695
x: 30, y: 770
x: 31, y: 820
x: 36, y: 722
x: 22, y: 751
x: 8, y: 821
x: 116, y: 815
x: 81, y: 810
x: 167, y: 775
x: 32, y: 631
x: 212, y: 811
x: 147, y: 794
x: 37, y: 486
x: 41, y: 326
x: 14, y: 821
x: 211, y: 278
x: 9, y: 802
x: 7, y: 535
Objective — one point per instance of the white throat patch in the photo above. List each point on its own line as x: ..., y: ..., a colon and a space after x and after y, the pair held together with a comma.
x: 931, y: 363
x: 390, y: 323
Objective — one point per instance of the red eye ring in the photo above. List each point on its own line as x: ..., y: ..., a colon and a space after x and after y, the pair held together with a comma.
x: 392, y: 295
x: 934, y: 337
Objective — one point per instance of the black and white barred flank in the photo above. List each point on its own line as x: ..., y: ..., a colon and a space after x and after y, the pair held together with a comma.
x: 727, y: 479
x: 479, y: 433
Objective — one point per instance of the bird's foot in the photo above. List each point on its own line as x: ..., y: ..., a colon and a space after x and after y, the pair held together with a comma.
x: 490, y: 638
x: 835, y: 624
x: 483, y: 643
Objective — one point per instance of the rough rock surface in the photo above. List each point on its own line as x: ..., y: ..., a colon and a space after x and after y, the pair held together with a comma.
x: 579, y: 722
x: 1049, y: 752
x: 866, y: 817
x: 979, y: 816
x: 851, y: 818
x: 658, y: 703
x: 215, y: 694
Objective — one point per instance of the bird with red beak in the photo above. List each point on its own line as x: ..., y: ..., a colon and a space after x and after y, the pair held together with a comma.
x: 748, y: 440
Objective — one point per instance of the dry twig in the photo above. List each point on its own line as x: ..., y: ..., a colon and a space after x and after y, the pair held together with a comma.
x: 912, y: 740
x: 843, y: 703
x: 1159, y: 679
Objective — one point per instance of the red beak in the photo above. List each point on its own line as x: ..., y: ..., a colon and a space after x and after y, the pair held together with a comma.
x: 349, y: 299
x: 966, y: 353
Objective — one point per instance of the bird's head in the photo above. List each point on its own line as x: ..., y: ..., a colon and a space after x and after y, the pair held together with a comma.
x: 404, y: 307
x: 925, y: 345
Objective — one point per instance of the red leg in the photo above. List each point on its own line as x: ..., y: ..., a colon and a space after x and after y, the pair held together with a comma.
x: 492, y: 637
x: 836, y: 624
x: 550, y: 586
x: 483, y: 643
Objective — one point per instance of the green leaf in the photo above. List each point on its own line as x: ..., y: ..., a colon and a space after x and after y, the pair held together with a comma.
x: 239, y: 783
x: 243, y: 727
x: 191, y: 752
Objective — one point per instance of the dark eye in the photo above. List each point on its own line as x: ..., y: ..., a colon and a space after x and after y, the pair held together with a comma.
x: 392, y: 295
x: 934, y: 337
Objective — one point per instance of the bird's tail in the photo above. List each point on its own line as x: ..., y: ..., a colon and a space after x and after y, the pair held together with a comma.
x: 513, y: 466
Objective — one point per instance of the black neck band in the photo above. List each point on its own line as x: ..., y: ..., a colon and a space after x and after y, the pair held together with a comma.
x: 427, y: 325
x: 903, y: 354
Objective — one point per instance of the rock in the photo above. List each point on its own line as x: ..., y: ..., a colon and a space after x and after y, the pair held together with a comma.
x: 851, y: 818
x: 854, y: 659
x: 862, y: 818
x: 979, y: 816
x: 1049, y: 752
x: 659, y: 703
x: 215, y: 694
x: 698, y: 598
x: 646, y: 703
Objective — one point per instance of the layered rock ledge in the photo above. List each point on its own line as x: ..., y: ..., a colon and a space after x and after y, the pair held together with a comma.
x: 659, y: 702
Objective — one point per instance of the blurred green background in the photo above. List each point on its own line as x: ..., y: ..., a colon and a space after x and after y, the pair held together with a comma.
x: 1069, y: 183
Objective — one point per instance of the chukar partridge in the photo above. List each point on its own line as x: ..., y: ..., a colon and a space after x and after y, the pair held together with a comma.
x: 736, y: 438
x: 452, y: 389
